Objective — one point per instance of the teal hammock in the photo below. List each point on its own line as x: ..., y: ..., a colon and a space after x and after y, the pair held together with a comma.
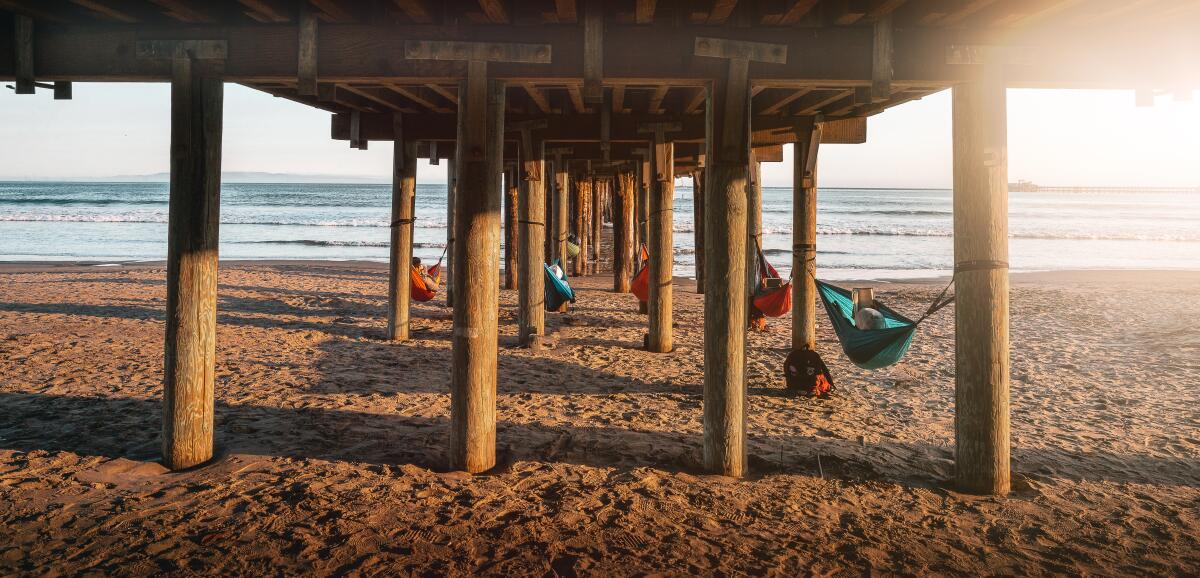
x: 557, y: 290
x: 875, y: 348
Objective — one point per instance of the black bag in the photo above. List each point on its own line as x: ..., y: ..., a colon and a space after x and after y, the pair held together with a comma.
x: 807, y: 374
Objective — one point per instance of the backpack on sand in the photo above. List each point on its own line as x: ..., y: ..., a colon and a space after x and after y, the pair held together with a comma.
x: 807, y: 374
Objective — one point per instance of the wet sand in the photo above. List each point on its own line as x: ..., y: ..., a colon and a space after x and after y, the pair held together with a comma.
x: 330, y: 440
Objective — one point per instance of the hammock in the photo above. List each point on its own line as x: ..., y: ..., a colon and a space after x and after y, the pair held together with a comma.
x: 557, y: 290
x: 875, y: 348
x: 771, y: 301
x: 422, y: 292
x: 640, y: 286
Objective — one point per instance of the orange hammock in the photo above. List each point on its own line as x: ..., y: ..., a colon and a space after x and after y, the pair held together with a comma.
x: 640, y: 286
x: 771, y: 301
x: 420, y: 291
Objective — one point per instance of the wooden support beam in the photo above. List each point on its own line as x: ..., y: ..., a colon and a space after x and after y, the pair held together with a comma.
x: 881, y: 61
x: 538, y: 97
x: 725, y: 295
x: 577, y: 98
x: 851, y: 11
x: 656, y: 99
x: 511, y: 235
x: 618, y: 99
x: 495, y: 11
x: 623, y: 232
x: 981, y: 398
x: 191, y: 318
x: 103, y: 9
x: 593, y: 52
x: 306, y: 67
x: 333, y: 10
x: 883, y: 8
x: 698, y: 225
x: 699, y: 96
x: 385, y: 101
x: 804, y: 234
x: 531, y: 216
x: 660, y: 338
x: 962, y: 12
x: 404, y: 188
x: 185, y: 11
x: 443, y: 92
x: 23, y: 53
x: 476, y: 265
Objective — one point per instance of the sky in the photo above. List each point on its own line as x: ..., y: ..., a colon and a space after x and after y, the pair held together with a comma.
x: 1056, y: 137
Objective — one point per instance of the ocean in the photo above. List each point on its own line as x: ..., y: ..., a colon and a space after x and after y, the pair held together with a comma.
x: 862, y: 233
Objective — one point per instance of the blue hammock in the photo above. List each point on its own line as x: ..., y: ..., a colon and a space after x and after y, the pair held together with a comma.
x: 875, y: 348
x: 557, y: 290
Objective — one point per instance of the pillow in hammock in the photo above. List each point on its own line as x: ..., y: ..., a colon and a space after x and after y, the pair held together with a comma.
x: 867, y: 319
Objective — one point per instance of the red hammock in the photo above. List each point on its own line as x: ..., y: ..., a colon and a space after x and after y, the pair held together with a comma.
x: 640, y: 286
x: 771, y: 301
x: 420, y: 291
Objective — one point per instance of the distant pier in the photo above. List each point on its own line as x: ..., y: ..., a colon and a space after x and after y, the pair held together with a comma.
x: 1030, y: 187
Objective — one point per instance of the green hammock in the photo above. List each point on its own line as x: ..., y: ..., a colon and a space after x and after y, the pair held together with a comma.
x: 875, y: 348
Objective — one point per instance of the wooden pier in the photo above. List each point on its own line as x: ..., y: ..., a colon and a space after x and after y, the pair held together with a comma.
x: 596, y: 106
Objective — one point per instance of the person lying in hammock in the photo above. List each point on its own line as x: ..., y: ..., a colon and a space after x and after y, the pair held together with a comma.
x: 431, y: 283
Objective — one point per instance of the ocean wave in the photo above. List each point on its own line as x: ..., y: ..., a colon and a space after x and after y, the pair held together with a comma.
x: 79, y: 201
x: 336, y: 243
x: 156, y: 217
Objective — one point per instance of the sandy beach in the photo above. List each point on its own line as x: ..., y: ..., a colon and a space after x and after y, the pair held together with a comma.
x: 330, y: 440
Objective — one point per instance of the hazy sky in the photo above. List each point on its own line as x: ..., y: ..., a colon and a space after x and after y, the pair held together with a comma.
x: 1055, y: 137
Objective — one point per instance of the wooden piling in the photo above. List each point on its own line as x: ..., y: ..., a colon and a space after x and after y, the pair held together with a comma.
x: 804, y: 239
x: 512, y: 238
x: 532, y: 217
x: 597, y: 222
x: 404, y: 187
x: 698, y: 226
x: 753, y: 227
x: 476, y: 264
x: 583, y: 188
x: 662, y: 258
x: 561, y: 206
x: 448, y: 266
x: 981, y: 398
x: 197, y: 94
x: 623, y: 231
x: 643, y: 210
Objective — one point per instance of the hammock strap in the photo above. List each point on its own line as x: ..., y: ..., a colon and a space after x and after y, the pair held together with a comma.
x: 444, y: 249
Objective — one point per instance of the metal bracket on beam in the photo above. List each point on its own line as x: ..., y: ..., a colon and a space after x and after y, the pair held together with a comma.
x: 741, y: 50
x: 477, y: 51
x: 986, y: 54
x: 169, y: 49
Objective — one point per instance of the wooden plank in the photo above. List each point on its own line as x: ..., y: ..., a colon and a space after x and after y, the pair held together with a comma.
x: 644, y: 11
x: 537, y: 96
x: 265, y: 11
x: 412, y: 95
x: 825, y: 100
x: 192, y: 231
x: 106, y: 11
x: 656, y: 100
x: 404, y: 186
x: 23, y: 54
x: 443, y: 92
x: 576, y: 98
x: 777, y: 106
x: 981, y: 398
x: 185, y: 11
x: 369, y: 94
x: 741, y: 49
x: 883, y: 8
x: 495, y: 11
x: 721, y: 10
x: 565, y: 9
x: 798, y: 10
x: 416, y: 10
x: 333, y: 10
x: 699, y: 95
x: 957, y: 16
x: 851, y: 11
